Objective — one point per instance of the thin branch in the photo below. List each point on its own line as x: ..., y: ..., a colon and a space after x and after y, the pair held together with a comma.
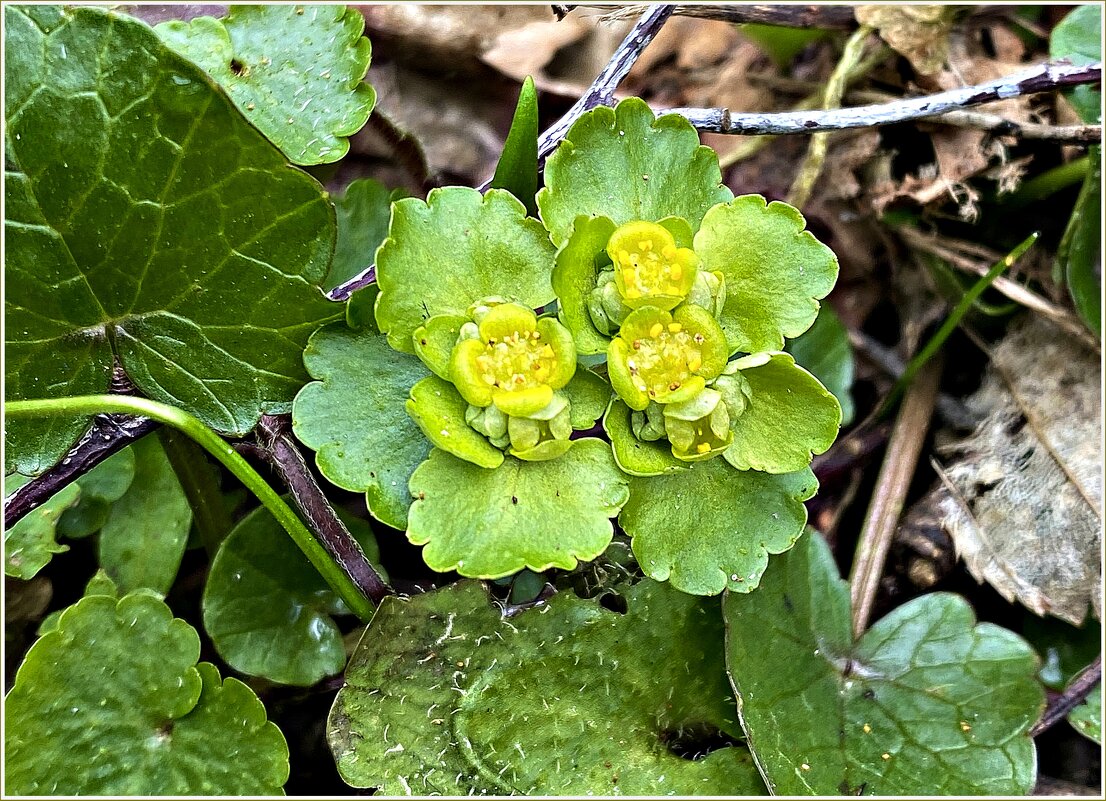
x: 601, y: 92
x: 787, y: 16
x: 1042, y: 78
x: 280, y: 451
x: 1073, y: 695
x: 890, y: 491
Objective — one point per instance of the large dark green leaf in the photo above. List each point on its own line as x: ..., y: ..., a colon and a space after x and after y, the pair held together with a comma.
x: 146, y: 220
x: 1078, y: 38
x: 446, y: 695
x: 926, y: 702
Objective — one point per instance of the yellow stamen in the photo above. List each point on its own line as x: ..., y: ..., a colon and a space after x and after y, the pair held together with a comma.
x: 676, y: 272
x: 675, y: 328
x: 702, y: 447
x: 656, y: 330
x: 669, y: 252
x: 547, y: 352
x: 694, y: 363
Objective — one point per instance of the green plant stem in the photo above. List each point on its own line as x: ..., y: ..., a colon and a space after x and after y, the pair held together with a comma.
x: 1048, y: 183
x: 819, y: 142
x: 339, y: 581
x: 938, y: 339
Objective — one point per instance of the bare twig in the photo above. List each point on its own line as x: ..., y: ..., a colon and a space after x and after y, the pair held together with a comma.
x: 1073, y: 695
x: 279, y: 450
x: 601, y: 92
x: 890, y: 491
x: 787, y: 16
x: 108, y: 435
x: 811, y: 167
x: 1042, y: 78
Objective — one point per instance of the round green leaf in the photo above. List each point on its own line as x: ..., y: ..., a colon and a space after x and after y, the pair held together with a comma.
x: 100, y: 584
x: 295, y: 71
x: 1078, y: 38
x: 458, y: 247
x: 143, y: 540
x: 588, y: 396
x: 625, y: 164
x: 711, y: 527
x: 363, y: 211
x: 775, y: 270
x: 1087, y: 717
x: 353, y: 417
x: 634, y: 456
x: 565, y: 699
x: 113, y: 703
x: 439, y: 410
x: 492, y: 523
x: 30, y: 544
x: 824, y: 349
x: 148, y: 221
x: 268, y: 611
x: 100, y: 488
x: 926, y: 703
x: 574, y: 277
x: 789, y: 417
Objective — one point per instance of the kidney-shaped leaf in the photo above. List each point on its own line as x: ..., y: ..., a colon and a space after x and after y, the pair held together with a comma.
x: 711, y: 527
x: 445, y: 695
x: 625, y: 164
x: 294, y: 71
x: 776, y: 271
x: 146, y: 219
x: 926, y: 703
x: 268, y: 611
x: 112, y: 702
x: 458, y: 247
x: 354, y: 417
x: 488, y: 523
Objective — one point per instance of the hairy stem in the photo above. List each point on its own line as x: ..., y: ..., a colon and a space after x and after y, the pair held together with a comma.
x: 334, y: 575
x: 279, y: 449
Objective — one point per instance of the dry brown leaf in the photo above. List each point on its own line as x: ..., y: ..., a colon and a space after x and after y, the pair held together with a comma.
x: 920, y: 33
x: 1024, y: 499
x: 519, y: 52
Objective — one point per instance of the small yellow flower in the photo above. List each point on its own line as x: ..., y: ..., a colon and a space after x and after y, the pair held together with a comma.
x: 649, y: 270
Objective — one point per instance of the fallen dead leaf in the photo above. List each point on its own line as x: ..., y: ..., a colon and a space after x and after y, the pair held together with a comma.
x: 1023, y: 499
x: 918, y: 32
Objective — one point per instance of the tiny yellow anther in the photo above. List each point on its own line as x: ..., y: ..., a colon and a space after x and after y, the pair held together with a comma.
x: 702, y: 447
x: 656, y: 330
x: 694, y: 363
x: 547, y: 352
x: 669, y: 252
x: 673, y: 386
x: 645, y: 245
x: 675, y: 328
x: 676, y: 271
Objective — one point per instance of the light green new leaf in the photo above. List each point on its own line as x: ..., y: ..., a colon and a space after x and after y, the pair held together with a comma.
x: 99, y: 584
x: 100, y: 488
x: 30, y: 544
x: 1078, y: 38
x: 113, y: 703
x: 353, y: 417
x: 517, y: 170
x: 775, y: 270
x: 926, y: 703
x: 564, y: 699
x: 1087, y: 717
x: 492, y: 523
x: 575, y: 274
x: 268, y: 611
x: 439, y: 411
x: 711, y: 527
x: 824, y: 349
x: 625, y: 164
x: 789, y: 416
x: 146, y: 532
x: 363, y: 210
x: 146, y: 220
x: 634, y: 456
x: 458, y: 247
x: 588, y: 396
x: 295, y: 71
